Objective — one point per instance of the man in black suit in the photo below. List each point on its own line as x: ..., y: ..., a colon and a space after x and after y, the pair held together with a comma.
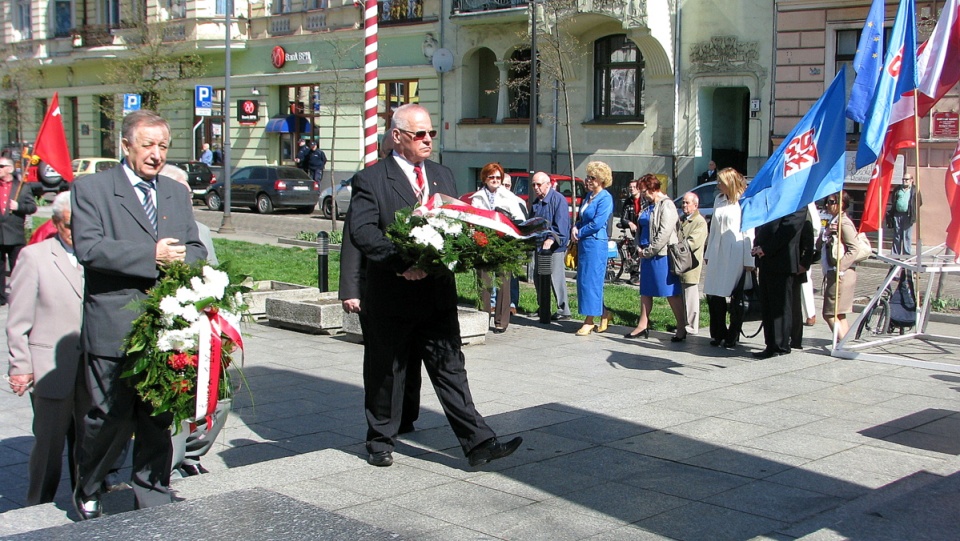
x: 710, y: 175
x: 127, y: 223
x: 410, y: 312
x: 15, y: 205
x: 777, y: 249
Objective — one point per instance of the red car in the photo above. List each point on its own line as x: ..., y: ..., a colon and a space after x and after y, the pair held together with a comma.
x: 561, y: 183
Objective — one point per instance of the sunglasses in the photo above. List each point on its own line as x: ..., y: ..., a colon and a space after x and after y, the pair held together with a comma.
x: 494, y: 177
x: 420, y: 134
x: 591, y: 178
x: 831, y: 201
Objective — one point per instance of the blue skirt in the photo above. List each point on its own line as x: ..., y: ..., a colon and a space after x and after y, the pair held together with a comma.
x: 656, y: 280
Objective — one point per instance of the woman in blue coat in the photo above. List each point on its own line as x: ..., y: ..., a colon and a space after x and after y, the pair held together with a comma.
x: 590, y: 234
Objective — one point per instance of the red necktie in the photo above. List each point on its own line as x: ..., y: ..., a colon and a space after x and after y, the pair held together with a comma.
x: 418, y: 172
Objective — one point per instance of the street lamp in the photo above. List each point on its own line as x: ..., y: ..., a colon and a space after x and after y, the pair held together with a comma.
x: 533, y: 88
x: 226, y: 226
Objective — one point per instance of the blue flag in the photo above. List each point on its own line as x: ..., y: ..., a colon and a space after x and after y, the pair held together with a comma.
x: 808, y: 165
x: 899, y: 75
x: 867, y: 64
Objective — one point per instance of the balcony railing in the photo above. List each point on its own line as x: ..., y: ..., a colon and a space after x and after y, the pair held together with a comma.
x: 471, y: 6
x: 399, y: 12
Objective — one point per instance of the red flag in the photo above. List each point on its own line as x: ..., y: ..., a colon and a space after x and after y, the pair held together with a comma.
x: 953, y: 199
x: 938, y: 70
x: 51, y: 145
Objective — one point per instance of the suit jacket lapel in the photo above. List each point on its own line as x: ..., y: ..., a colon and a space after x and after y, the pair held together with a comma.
x: 62, y: 261
x: 400, y: 183
x: 128, y: 199
x: 165, y: 195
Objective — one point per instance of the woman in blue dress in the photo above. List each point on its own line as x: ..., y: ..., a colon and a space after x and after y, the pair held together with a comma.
x: 657, y: 229
x: 590, y: 234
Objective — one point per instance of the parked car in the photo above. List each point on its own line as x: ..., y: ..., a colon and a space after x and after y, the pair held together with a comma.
x: 344, y: 191
x: 89, y: 166
x: 199, y: 176
x: 264, y: 188
x: 562, y: 183
x: 708, y: 194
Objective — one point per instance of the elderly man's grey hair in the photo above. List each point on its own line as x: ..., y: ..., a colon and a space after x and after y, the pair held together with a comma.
x: 61, y: 204
x: 175, y: 173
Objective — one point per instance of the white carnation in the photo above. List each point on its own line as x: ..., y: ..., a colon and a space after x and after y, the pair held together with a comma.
x: 170, y: 307
x: 177, y: 340
x: 190, y: 313
x: 186, y: 295
x: 427, y: 236
x: 216, y: 281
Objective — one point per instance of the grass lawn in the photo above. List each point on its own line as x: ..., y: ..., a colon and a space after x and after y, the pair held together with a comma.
x: 299, y: 266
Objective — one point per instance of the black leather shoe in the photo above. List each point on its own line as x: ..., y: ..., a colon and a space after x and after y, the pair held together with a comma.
x: 767, y: 353
x: 644, y: 333
x: 676, y: 338
x: 190, y: 470
x: 492, y: 449
x: 381, y: 459
x: 716, y: 343
x: 559, y: 317
x: 729, y: 344
x: 406, y: 429
x: 87, y: 508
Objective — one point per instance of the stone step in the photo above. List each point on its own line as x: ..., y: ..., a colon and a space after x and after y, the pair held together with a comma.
x: 249, y: 514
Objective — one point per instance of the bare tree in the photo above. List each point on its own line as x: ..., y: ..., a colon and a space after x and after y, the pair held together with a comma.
x: 19, y: 82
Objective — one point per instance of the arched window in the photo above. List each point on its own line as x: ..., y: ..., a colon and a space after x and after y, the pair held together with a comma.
x: 617, y: 79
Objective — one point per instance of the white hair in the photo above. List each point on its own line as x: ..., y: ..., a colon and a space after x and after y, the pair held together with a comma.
x: 174, y: 172
x: 61, y: 204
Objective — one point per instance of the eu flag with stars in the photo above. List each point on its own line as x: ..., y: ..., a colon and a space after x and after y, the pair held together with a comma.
x: 899, y: 75
x: 808, y: 165
x: 867, y: 64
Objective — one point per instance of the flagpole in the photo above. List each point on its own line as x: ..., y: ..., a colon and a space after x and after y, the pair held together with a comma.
x: 916, y: 174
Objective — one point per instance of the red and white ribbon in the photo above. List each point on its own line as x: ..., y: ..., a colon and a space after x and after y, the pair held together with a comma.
x: 444, y: 205
x: 209, y: 354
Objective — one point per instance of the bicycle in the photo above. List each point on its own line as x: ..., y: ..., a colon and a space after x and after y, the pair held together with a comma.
x: 626, y: 258
x: 895, y: 308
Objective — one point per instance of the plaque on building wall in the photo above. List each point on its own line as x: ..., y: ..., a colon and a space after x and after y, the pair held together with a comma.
x: 945, y: 124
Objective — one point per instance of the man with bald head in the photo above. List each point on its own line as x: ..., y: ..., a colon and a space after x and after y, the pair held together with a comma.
x: 694, y: 230
x: 551, y: 205
x: 410, y: 313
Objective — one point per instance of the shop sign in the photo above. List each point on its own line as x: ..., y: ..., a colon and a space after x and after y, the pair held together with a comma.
x: 279, y: 57
x: 248, y: 112
x: 945, y: 124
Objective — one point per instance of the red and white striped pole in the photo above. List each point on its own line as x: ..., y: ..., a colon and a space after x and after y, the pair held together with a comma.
x: 370, y: 82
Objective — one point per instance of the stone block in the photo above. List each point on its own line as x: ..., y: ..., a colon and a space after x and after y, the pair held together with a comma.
x: 473, y: 326
x: 320, y: 313
x: 256, y: 298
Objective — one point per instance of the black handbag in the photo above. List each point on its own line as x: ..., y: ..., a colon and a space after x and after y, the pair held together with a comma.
x: 748, y: 300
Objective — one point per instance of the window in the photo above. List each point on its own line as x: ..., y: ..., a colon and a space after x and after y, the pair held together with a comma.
x: 110, y: 13
x: 281, y: 6
x: 22, y: 20
x: 847, y: 41
x: 519, y: 85
x: 62, y: 18
x: 393, y: 94
x: 177, y: 8
x: 618, y: 79
x: 221, y: 7
x: 303, y: 103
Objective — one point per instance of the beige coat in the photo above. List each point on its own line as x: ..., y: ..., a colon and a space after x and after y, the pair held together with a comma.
x: 43, y: 325
x: 663, y: 227
x: 694, y: 230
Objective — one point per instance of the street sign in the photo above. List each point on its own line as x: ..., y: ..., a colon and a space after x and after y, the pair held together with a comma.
x: 131, y: 103
x: 203, y: 100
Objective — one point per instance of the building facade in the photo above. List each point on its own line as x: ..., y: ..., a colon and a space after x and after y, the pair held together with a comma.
x: 653, y: 86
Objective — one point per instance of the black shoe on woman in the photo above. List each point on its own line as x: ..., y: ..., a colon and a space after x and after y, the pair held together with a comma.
x: 644, y: 333
x: 716, y: 343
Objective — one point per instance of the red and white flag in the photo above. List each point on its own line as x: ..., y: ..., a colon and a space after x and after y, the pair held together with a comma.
x: 51, y: 145
x: 953, y: 199
x: 938, y: 70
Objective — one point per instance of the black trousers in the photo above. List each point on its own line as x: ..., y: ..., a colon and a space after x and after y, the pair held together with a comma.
x: 117, y: 413
x: 781, y: 301
x: 8, y: 256
x: 413, y: 380
x: 434, y: 337
x: 719, y: 330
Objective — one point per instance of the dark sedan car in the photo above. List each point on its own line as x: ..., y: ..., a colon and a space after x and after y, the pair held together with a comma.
x: 266, y: 187
x: 199, y: 176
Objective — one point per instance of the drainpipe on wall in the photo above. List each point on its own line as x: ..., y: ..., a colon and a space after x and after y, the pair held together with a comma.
x: 676, y: 99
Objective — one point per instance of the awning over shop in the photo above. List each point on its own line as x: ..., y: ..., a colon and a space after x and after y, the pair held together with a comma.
x: 286, y: 124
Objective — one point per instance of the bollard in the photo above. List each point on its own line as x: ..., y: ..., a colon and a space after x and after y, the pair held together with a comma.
x: 544, y: 286
x: 323, y: 261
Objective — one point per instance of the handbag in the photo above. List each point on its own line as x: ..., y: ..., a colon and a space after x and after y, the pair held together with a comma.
x: 748, y: 300
x: 570, y: 258
x: 680, y: 256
